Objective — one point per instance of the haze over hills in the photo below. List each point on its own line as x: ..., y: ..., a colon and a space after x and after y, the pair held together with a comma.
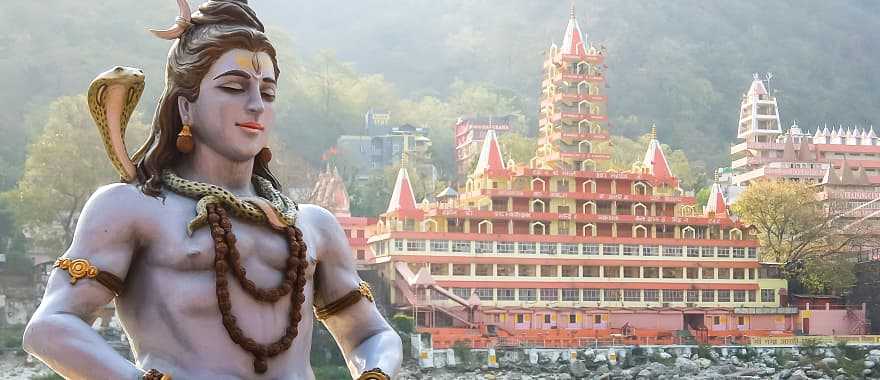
x: 681, y: 64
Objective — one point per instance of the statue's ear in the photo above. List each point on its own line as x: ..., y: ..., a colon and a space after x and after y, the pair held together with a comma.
x: 184, y: 107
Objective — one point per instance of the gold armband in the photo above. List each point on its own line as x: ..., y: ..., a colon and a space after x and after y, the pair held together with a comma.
x: 82, y: 268
x: 374, y: 374
x: 350, y: 298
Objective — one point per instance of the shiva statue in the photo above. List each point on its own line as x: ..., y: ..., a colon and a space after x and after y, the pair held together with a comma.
x: 215, y: 273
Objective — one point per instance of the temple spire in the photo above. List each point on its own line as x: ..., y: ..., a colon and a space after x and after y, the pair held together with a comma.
x: 490, y: 156
x: 573, y: 41
x: 402, y: 198
x: 655, y: 160
x: 716, y: 204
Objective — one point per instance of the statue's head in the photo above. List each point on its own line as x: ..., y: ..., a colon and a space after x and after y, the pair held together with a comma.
x: 220, y: 79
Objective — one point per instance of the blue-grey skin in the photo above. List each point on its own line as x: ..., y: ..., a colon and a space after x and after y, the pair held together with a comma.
x: 169, y: 306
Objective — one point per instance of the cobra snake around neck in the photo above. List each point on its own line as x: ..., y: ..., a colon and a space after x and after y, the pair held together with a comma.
x: 112, y: 97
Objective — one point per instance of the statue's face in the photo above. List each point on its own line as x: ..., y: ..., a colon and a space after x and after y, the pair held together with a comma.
x: 233, y: 113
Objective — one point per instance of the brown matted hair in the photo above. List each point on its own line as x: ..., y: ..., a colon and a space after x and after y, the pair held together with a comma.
x: 217, y: 26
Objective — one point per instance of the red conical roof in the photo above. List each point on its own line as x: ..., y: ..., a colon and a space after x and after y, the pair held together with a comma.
x: 402, y: 198
x: 656, y: 160
x: 716, y: 203
x: 490, y: 156
x: 573, y: 41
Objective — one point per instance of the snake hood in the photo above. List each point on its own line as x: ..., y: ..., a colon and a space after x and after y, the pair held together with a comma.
x: 112, y: 97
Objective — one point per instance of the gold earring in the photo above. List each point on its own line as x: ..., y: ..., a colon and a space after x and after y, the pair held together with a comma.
x: 184, y: 139
x: 265, y: 155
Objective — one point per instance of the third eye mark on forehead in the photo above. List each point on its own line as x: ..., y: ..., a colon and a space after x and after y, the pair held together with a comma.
x: 243, y: 74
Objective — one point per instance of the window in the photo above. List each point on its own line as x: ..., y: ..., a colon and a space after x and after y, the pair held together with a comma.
x: 740, y: 321
x: 739, y: 253
x: 650, y: 250
x: 739, y: 296
x: 440, y: 245
x: 505, y: 269
x: 651, y: 272
x: 591, y: 249
x: 751, y: 294
x: 768, y: 295
x: 548, y: 248
x: 723, y: 273
x: 484, y: 293
x: 708, y: 273
x: 723, y: 251
x: 739, y: 274
x: 708, y: 295
x: 439, y: 269
x: 611, y: 294
x: 527, y: 294
x: 572, y: 319
x: 708, y: 251
x: 415, y: 245
x: 461, y: 246
x: 484, y: 270
x: 568, y: 249
x: 672, y: 272
x: 597, y: 319
x: 398, y: 245
x: 361, y: 254
x: 520, y: 318
x: 504, y: 247
x: 693, y: 251
x: 591, y: 295
x: 570, y: 271
x: 632, y: 295
x: 611, y: 272
x: 547, y: 319
x: 462, y: 292
x: 693, y: 295
x: 630, y: 250
x: 672, y: 251
x: 724, y: 296
x: 673, y: 295
x: 347, y: 233
x: 549, y: 294
x: 692, y: 273
x: 591, y: 271
x: 716, y: 320
x: 506, y: 294
x: 611, y: 250
x: 360, y: 234
x: 527, y: 248
x: 526, y: 270
x: 461, y: 269
x: 652, y: 295
x: 631, y: 272
x: 549, y: 271
x: 483, y: 246
x: 570, y: 294
x: 753, y: 253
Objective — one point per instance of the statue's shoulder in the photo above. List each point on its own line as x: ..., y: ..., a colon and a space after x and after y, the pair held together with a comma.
x: 315, y: 216
x: 124, y: 197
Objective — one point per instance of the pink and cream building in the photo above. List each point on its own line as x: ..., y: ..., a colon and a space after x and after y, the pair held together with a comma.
x: 559, y: 246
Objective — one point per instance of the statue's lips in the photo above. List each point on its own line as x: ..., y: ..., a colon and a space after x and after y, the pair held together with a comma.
x: 251, y: 125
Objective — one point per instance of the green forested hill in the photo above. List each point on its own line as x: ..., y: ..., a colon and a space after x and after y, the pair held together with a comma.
x: 681, y: 64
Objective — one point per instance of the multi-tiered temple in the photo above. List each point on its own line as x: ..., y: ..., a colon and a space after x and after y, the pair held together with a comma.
x: 561, y: 249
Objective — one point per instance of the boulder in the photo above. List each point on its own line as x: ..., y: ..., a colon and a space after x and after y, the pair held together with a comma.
x: 577, y: 369
x: 798, y: 375
x: 829, y: 362
x: 563, y: 376
x: 869, y: 364
x: 874, y: 352
x: 704, y: 363
x: 791, y: 364
x: 600, y: 358
x: 665, y: 355
x: 686, y: 366
x: 815, y: 374
x: 866, y: 372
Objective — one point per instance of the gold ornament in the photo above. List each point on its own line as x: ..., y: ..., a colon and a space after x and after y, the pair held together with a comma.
x: 78, y: 268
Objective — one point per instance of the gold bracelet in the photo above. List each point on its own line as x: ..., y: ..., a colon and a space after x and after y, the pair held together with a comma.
x: 374, y: 374
x: 350, y: 298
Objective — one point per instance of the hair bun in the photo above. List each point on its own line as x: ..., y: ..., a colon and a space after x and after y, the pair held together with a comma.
x: 232, y: 12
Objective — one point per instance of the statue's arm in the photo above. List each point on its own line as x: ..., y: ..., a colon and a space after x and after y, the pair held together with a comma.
x: 59, y: 333
x: 366, y: 339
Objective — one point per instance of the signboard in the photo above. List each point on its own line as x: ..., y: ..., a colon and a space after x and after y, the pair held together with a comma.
x: 765, y: 310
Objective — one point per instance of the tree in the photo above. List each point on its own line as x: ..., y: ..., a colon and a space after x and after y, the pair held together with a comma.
x: 64, y: 165
x: 627, y: 151
x: 796, y: 231
x: 517, y: 147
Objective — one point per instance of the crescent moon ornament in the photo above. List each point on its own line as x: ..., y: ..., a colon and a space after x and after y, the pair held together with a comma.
x: 181, y: 23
